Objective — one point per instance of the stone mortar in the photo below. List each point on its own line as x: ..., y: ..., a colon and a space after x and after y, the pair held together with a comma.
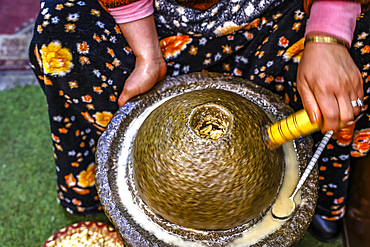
x: 110, y: 144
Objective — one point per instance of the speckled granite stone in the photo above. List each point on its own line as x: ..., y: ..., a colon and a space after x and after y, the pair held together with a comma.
x: 108, y: 153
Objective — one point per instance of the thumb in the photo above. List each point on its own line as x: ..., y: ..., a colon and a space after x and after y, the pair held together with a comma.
x: 130, y: 89
x: 122, y: 99
x: 125, y: 96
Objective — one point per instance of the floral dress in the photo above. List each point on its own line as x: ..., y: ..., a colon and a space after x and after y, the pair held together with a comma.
x: 82, y: 60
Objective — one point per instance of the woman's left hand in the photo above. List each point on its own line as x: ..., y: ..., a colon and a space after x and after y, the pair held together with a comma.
x: 327, y: 81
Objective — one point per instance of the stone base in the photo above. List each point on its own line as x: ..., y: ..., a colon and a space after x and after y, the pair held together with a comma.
x: 112, y: 144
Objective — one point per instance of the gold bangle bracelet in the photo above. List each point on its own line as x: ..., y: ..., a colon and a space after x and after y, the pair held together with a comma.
x: 326, y: 39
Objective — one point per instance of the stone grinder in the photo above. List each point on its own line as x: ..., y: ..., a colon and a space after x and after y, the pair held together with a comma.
x: 174, y: 171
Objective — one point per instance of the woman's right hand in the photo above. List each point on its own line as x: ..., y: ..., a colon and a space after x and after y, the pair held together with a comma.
x: 142, y: 78
x: 150, y: 66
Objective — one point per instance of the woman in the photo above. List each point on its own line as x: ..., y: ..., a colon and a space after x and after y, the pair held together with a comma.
x: 91, y: 57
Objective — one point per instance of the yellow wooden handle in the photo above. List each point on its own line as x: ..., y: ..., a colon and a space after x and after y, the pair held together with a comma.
x: 296, y: 125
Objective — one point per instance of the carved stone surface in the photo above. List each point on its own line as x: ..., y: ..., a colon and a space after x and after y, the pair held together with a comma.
x: 111, y: 144
x: 186, y: 176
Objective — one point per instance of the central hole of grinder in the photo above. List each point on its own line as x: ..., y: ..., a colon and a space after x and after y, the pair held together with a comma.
x: 210, y: 121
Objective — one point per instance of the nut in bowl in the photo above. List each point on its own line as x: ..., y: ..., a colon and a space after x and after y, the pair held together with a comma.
x: 87, y: 233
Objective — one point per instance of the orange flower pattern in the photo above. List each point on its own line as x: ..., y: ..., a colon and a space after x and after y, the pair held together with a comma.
x: 361, y: 143
x: 173, y: 45
x: 82, y: 60
x: 103, y: 118
x: 283, y: 42
x: 345, y: 136
x: 87, y: 177
x: 295, y: 51
x: 70, y: 180
x: 57, y: 60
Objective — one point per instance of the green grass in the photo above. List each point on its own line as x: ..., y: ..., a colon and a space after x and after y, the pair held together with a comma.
x: 29, y: 213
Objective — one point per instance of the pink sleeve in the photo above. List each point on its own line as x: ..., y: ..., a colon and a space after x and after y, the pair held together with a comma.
x: 133, y: 11
x: 335, y: 18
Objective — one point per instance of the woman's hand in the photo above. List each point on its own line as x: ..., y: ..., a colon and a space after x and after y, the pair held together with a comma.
x: 327, y: 81
x: 150, y: 66
x: 142, y: 78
